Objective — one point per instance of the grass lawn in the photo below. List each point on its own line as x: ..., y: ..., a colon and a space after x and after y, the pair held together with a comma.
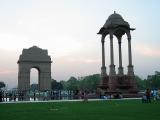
x: 95, y: 110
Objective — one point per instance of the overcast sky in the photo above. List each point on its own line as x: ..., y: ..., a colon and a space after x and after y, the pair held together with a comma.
x: 67, y: 28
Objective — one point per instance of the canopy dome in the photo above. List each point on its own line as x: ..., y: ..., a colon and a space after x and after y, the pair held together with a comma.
x: 115, y: 16
x: 115, y: 20
x: 116, y: 24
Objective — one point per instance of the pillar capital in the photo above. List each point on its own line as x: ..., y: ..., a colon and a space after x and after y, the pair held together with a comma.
x: 103, y: 38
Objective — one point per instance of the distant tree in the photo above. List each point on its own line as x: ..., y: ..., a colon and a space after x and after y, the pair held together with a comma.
x: 2, y: 84
x: 72, y: 84
x: 153, y: 81
x: 56, y: 85
x: 64, y: 84
x: 140, y: 83
x: 90, y: 82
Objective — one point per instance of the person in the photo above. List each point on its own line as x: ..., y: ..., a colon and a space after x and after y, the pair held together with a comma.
x: 45, y: 95
x: 10, y: 96
x: 14, y: 97
x: 81, y: 94
x: 144, y: 99
x: 76, y: 94
x: 159, y: 92
x: 6, y: 95
x: 22, y: 95
x: 52, y: 95
x: 158, y: 95
x: 34, y: 96
x: 1, y: 96
x: 105, y: 97
x: 85, y: 96
x: 148, y: 95
x: 155, y: 92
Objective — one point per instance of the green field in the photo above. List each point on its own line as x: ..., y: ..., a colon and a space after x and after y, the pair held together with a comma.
x: 97, y: 110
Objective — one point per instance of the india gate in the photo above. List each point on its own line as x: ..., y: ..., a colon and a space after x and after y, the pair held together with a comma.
x: 38, y: 58
x: 113, y: 82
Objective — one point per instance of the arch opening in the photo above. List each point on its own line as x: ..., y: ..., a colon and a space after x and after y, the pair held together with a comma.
x: 34, y: 79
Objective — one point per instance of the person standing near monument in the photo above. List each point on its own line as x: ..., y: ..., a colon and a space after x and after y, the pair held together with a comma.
x: 14, y: 97
x: 0, y: 96
x: 148, y: 95
x: 34, y: 95
x: 85, y: 95
x: 45, y: 95
x: 10, y: 96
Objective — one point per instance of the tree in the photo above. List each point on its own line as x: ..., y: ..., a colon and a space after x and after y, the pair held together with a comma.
x: 2, y: 84
x: 72, y: 84
x: 56, y: 85
x: 153, y: 81
x: 141, y: 84
x: 90, y: 82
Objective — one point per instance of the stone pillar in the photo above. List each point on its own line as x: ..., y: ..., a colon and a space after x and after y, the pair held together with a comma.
x: 130, y: 66
x: 112, y: 66
x: 23, y: 80
x: 103, y: 68
x: 120, y: 69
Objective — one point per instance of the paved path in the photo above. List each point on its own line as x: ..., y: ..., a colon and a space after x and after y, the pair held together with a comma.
x: 65, y: 100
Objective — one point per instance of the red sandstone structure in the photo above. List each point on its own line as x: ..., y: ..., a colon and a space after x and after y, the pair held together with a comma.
x: 120, y: 82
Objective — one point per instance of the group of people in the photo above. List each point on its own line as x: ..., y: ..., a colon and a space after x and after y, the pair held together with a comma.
x: 149, y: 94
x: 82, y: 94
x: 7, y: 96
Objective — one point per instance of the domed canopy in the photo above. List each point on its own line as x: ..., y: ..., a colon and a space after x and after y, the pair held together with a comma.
x: 115, y: 23
x: 115, y: 20
x: 115, y: 16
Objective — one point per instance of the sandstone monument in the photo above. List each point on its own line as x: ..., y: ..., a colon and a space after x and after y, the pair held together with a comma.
x: 117, y: 82
x: 38, y: 58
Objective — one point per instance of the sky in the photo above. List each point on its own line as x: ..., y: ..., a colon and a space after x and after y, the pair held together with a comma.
x: 68, y: 30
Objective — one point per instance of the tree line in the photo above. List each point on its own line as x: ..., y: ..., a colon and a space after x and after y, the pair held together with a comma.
x: 152, y: 82
x: 91, y: 83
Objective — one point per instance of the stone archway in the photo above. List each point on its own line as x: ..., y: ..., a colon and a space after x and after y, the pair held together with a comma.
x: 38, y: 58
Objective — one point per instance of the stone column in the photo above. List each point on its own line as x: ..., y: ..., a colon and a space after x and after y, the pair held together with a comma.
x: 103, y: 68
x: 112, y: 66
x: 120, y: 69
x: 130, y: 66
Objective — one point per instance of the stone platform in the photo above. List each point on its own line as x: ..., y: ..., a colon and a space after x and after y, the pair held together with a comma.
x: 117, y: 84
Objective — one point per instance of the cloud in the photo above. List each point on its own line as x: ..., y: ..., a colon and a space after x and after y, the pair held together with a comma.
x: 147, y: 50
x: 84, y: 60
x: 6, y: 72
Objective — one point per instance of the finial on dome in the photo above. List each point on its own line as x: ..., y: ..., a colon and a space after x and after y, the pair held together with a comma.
x: 114, y: 12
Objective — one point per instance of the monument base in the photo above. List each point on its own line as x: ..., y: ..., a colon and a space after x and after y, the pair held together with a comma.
x: 119, y: 84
